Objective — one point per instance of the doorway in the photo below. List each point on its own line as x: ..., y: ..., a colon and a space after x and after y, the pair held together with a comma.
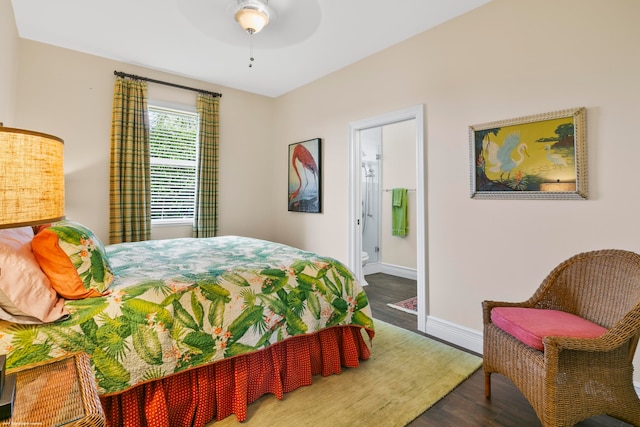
x: 358, y: 133
x: 371, y: 188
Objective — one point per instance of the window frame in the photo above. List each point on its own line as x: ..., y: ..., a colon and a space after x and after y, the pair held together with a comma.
x: 179, y: 108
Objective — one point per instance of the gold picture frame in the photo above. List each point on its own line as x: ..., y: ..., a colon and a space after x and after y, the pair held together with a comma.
x: 534, y: 157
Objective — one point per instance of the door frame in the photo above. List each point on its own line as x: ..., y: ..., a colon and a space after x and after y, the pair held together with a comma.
x: 355, y: 196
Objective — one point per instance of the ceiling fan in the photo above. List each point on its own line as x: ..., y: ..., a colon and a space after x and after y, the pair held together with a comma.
x: 252, y: 15
x: 281, y: 23
x: 289, y: 21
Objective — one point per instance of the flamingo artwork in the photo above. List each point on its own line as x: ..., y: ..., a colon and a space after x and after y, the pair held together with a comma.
x: 501, y: 156
x: 304, y: 197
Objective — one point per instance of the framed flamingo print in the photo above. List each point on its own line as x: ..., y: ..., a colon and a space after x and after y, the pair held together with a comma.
x: 534, y: 157
x: 305, y: 176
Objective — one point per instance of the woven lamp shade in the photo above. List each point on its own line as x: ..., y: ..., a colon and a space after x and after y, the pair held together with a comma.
x: 32, y: 178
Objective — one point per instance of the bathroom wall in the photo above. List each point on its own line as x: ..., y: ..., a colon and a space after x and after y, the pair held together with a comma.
x: 371, y: 145
x: 399, y: 171
x: 389, y: 158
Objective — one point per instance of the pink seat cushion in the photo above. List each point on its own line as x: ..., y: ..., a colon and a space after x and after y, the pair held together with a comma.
x: 531, y: 325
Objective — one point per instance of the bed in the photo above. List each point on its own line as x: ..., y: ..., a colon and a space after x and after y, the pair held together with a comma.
x: 185, y: 331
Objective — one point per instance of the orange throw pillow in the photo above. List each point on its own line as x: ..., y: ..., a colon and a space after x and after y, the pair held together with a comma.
x: 73, y: 259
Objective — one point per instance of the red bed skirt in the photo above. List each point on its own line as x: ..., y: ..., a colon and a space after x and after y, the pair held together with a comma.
x: 197, y: 396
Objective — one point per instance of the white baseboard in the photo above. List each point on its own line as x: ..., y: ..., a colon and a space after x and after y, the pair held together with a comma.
x: 371, y: 268
x: 455, y: 334
x: 399, y: 271
x: 467, y: 338
x: 394, y: 270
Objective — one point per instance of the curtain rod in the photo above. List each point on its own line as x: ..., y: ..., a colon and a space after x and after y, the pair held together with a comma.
x: 146, y: 79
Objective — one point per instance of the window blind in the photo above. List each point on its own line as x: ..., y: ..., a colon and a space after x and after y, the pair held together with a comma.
x: 173, y: 153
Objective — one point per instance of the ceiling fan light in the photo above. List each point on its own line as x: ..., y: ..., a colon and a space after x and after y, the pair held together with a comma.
x: 252, y: 17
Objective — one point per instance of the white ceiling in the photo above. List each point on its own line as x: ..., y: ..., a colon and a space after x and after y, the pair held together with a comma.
x: 305, y: 40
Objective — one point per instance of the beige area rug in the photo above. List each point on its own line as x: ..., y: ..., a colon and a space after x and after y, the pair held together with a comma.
x: 405, y: 375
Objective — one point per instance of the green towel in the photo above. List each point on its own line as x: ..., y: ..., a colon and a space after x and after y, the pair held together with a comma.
x: 399, y: 216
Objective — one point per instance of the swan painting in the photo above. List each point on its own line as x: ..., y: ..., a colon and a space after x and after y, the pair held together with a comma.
x: 556, y: 159
x: 517, y: 158
x: 500, y: 157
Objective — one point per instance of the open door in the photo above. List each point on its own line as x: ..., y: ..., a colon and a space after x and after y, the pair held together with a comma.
x: 355, y: 198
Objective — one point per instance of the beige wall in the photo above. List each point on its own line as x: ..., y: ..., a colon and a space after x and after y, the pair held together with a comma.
x: 503, y: 60
x: 8, y: 64
x: 69, y: 94
x: 399, y: 170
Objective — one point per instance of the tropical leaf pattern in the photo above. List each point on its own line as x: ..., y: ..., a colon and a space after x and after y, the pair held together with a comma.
x: 86, y: 253
x: 181, y: 303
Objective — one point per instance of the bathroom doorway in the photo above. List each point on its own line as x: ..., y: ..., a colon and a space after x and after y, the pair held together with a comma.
x: 367, y: 197
x: 371, y: 145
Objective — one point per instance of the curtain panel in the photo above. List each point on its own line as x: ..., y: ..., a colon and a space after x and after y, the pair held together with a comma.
x: 129, y: 183
x: 205, y: 221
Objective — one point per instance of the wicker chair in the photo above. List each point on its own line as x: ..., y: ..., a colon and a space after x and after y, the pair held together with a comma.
x: 576, y: 378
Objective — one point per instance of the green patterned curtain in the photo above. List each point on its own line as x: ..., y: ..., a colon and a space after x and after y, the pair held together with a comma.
x: 130, y: 182
x: 205, y: 221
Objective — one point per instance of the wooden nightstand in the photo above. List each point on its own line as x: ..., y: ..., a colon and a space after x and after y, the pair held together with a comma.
x: 59, y: 392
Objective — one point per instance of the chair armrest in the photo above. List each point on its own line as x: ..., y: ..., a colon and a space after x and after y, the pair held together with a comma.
x: 604, y: 343
x: 487, y: 306
x: 595, y: 352
x: 625, y: 331
x: 628, y: 328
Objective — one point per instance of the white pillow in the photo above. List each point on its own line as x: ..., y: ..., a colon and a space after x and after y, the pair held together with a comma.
x: 26, y: 295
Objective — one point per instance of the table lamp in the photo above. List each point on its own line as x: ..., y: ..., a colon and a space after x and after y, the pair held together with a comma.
x: 31, y: 193
x: 32, y: 178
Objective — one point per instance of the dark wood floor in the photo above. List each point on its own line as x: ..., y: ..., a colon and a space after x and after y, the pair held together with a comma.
x: 466, y: 404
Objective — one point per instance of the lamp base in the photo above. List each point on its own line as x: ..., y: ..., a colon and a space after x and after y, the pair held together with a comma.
x: 7, y: 397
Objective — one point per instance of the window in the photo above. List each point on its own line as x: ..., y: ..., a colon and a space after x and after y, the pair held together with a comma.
x: 173, y: 152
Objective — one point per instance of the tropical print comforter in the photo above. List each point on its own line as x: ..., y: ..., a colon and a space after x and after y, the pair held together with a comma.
x: 182, y: 303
